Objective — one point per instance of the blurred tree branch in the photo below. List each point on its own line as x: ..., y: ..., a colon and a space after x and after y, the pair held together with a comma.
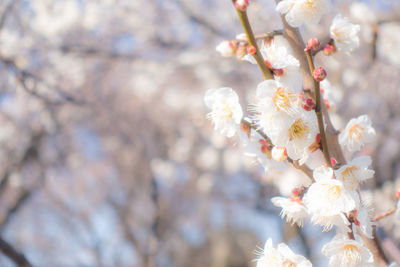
x: 17, y: 257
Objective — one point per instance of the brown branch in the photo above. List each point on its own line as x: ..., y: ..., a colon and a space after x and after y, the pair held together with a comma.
x: 17, y: 257
x: 296, y: 42
x: 385, y: 214
x: 318, y: 100
x: 244, y: 20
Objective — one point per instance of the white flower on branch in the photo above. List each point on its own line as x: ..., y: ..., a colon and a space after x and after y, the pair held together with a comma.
x: 357, y: 133
x: 226, y: 111
x: 284, y: 65
x: 296, y: 134
x: 345, y: 252
x: 327, y: 199
x: 364, y: 220
x: 353, y: 173
x: 303, y: 11
x: 280, y: 256
x: 292, y: 208
x: 345, y: 34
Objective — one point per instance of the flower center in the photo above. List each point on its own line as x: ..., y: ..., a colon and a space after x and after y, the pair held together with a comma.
x: 283, y: 99
x: 288, y: 263
x: 334, y: 191
x: 356, y: 131
x: 298, y: 130
x: 310, y: 6
x: 352, y: 253
x: 349, y: 176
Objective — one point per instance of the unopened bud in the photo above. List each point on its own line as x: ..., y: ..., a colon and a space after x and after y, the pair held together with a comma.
x: 319, y: 74
x: 278, y: 72
x: 242, y: 4
x: 398, y: 194
x: 279, y: 153
x: 329, y: 50
x: 333, y: 162
x: 251, y: 50
x: 241, y: 51
x: 268, y: 64
x: 226, y: 48
x: 313, y: 44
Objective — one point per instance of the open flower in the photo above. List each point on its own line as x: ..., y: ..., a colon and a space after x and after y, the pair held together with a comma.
x: 292, y: 208
x: 226, y: 112
x: 353, y: 173
x: 279, y: 60
x: 357, y: 133
x: 296, y: 133
x: 345, y: 34
x: 345, y: 252
x: 303, y: 11
x: 327, y: 198
x: 280, y: 256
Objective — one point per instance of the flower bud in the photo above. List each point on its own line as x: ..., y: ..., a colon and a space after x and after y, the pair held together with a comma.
x: 398, y: 194
x: 333, y: 162
x: 278, y: 72
x: 329, y: 49
x: 251, y: 50
x: 313, y: 44
x: 241, y: 51
x: 226, y: 48
x: 319, y: 74
x: 242, y: 4
x: 279, y: 153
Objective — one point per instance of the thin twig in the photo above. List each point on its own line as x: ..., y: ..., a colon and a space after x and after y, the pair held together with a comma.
x: 244, y: 20
x: 384, y: 215
x: 318, y: 111
x: 17, y: 257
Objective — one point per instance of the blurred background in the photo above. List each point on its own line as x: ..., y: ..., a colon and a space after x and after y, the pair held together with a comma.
x: 106, y: 156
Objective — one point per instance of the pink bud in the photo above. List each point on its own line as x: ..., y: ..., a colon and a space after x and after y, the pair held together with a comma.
x: 242, y: 4
x: 241, y: 51
x: 319, y: 74
x: 313, y: 44
x: 333, y: 161
x: 251, y: 49
x: 278, y: 72
x: 329, y: 50
x: 398, y: 194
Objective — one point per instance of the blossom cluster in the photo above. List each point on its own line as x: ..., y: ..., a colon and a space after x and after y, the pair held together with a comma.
x: 283, y: 128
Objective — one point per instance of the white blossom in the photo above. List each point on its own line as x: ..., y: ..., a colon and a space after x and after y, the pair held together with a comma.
x: 226, y: 111
x: 327, y: 198
x: 345, y: 34
x: 303, y: 11
x: 345, y: 252
x: 364, y: 220
x: 353, y: 173
x: 280, y: 256
x: 292, y: 208
x: 357, y: 133
x: 278, y: 57
x: 295, y: 133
